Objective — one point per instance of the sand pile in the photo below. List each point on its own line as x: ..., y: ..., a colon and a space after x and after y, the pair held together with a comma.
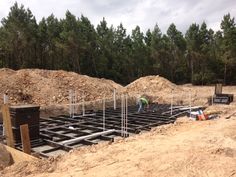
x: 156, y: 87
x: 45, y: 87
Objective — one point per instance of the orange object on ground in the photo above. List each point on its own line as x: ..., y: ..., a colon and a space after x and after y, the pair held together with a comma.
x: 202, y: 117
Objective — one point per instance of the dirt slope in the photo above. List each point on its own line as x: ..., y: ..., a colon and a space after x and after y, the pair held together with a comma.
x: 5, y: 158
x: 47, y: 87
x: 150, y: 84
x: 156, y: 87
x: 186, y: 148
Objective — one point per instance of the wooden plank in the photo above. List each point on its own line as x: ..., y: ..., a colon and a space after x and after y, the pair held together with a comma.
x: 218, y: 89
x: 25, y: 138
x: 7, y: 125
x: 19, y: 156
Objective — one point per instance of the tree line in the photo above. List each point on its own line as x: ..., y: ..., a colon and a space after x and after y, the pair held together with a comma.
x: 200, y: 56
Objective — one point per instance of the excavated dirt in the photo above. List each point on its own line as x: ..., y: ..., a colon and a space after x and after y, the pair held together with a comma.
x: 151, y: 84
x: 51, y: 88
x: 48, y: 88
x: 155, y: 88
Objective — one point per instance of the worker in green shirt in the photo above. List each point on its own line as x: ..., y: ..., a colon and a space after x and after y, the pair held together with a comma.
x: 143, y: 103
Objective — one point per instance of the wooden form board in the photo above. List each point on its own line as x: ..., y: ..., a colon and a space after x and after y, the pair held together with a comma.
x: 19, y: 156
x: 7, y: 125
x: 25, y: 139
x: 218, y: 89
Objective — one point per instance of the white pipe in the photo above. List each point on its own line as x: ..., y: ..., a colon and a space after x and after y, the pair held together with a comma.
x: 192, y: 107
x: 176, y: 107
x: 178, y: 114
x: 87, y: 137
x: 183, y: 108
x: 93, y: 114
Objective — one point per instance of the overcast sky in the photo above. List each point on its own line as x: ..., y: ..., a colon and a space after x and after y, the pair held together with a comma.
x: 145, y: 13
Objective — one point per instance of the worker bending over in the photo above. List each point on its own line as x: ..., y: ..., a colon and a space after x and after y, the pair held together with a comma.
x: 143, y: 103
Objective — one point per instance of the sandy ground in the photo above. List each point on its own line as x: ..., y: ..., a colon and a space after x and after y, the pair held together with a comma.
x: 186, y: 148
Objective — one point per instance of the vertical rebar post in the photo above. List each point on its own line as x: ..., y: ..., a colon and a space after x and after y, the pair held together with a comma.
x: 126, y: 118
x: 212, y: 99
x: 75, y: 103
x: 70, y: 102
x: 83, y: 104
x: 114, y: 98
x: 104, y: 118
x: 190, y: 103
x: 5, y: 99
x: 171, y: 106
x: 121, y: 115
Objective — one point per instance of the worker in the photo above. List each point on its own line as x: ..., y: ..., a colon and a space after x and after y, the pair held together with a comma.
x: 143, y: 103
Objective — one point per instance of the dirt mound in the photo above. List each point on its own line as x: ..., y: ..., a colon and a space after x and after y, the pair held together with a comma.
x: 5, y: 157
x: 45, y: 87
x: 156, y: 87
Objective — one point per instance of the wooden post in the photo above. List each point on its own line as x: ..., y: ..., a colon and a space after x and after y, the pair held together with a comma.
x: 25, y: 139
x: 7, y: 125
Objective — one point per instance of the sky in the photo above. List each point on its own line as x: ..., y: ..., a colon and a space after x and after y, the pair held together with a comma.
x: 145, y: 13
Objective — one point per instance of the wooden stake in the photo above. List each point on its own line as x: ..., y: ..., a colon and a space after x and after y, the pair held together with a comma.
x: 7, y: 125
x: 25, y: 139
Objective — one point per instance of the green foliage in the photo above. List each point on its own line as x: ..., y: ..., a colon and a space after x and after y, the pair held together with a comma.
x: 201, y: 56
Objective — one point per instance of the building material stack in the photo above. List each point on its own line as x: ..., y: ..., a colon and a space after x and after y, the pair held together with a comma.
x: 25, y: 114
